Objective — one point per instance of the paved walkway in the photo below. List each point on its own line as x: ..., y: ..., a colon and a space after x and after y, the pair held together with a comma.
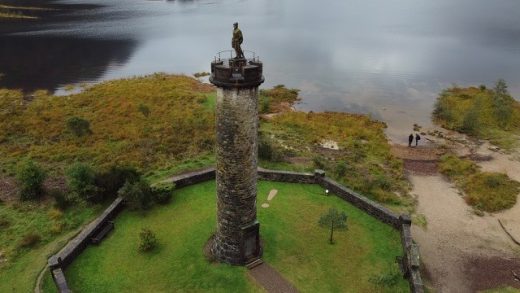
x: 271, y: 280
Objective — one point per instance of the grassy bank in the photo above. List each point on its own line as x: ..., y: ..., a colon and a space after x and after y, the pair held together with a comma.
x: 362, y: 159
x: 486, y: 191
x: 30, y: 232
x: 490, y: 114
x: 361, y: 260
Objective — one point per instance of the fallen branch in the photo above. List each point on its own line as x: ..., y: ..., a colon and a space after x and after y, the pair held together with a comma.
x: 508, y: 234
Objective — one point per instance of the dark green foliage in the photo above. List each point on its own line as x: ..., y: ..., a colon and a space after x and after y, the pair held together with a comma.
x: 145, y: 110
x: 110, y: 181
x: 264, y: 102
x: 30, y: 177
x: 471, y: 122
x: 30, y: 240
x: 138, y: 195
x: 333, y: 219
x: 268, y: 150
x: 163, y: 192
x: 148, y: 241
x: 341, y: 169
x: 81, y: 181
x: 319, y: 162
x: 61, y: 200
x: 78, y: 126
x: 503, y: 104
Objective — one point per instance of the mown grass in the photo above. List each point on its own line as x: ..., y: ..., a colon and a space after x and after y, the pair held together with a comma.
x: 475, y: 111
x: 486, y: 191
x: 294, y: 244
x: 21, y: 263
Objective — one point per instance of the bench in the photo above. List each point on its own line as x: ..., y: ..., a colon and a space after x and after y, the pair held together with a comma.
x: 102, y: 232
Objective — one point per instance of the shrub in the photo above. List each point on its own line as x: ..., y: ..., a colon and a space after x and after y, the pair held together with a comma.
x: 267, y: 150
x: 61, y: 200
x: 341, y: 169
x: 30, y: 240
x: 163, y: 192
x: 138, y: 195
x: 78, y: 126
x: 148, y: 241
x: 30, y: 177
x: 81, y: 181
x: 110, y: 181
x: 145, y: 110
x: 55, y: 214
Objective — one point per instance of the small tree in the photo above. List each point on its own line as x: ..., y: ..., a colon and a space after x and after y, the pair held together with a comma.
x: 335, y: 220
x: 81, y: 181
x: 138, y: 195
x: 78, y: 126
x: 30, y: 177
x: 148, y: 240
x: 502, y: 103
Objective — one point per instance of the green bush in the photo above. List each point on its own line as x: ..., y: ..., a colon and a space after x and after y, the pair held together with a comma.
x: 109, y: 182
x: 78, y: 126
x: 145, y: 110
x: 163, y: 192
x: 30, y: 177
x: 341, y: 169
x: 148, y: 241
x: 81, y: 181
x: 455, y: 167
x: 138, y: 195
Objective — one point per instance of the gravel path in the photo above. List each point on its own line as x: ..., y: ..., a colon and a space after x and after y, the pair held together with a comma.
x: 271, y: 280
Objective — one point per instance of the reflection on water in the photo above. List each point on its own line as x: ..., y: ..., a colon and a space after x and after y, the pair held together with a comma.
x: 387, y: 58
x: 45, y: 62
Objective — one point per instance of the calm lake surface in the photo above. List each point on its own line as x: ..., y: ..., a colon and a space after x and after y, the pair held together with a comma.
x: 386, y: 58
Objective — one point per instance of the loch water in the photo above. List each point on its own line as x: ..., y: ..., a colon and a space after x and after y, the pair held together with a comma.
x: 387, y: 58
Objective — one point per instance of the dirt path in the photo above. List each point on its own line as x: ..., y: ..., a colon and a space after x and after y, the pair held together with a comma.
x: 462, y: 252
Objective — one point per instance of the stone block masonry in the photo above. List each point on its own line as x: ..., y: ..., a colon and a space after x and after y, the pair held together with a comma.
x: 236, y: 175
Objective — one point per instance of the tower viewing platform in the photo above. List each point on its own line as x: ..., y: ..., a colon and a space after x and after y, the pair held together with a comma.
x: 232, y: 72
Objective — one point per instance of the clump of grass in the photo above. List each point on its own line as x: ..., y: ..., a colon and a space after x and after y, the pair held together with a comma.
x: 491, y: 192
x: 30, y: 240
x: 480, y: 112
x: 486, y: 191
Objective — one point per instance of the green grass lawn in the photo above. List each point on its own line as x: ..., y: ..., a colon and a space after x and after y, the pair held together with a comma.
x: 361, y: 260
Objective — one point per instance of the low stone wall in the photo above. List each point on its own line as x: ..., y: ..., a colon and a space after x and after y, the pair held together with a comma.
x: 376, y: 210
x: 64, y: 257
x: 59, y: 261
x: 286, y: 176
x: 194, y: 177
x: 411, y: 262
x: 60, y: 281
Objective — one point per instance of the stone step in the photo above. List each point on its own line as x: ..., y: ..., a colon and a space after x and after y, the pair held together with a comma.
x: 254, y: 263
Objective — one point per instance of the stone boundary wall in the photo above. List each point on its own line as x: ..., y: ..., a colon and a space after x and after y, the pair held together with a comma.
x: 58, y: 262
x: 410, y: 263
x: 194, y: 177
x: 286, y: 176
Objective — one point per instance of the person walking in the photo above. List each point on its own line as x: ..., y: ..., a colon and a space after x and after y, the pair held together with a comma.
x: 410, y: 140
x: 417, y: 138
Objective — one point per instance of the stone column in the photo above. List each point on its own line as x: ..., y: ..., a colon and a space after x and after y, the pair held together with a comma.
x: 237, y: 237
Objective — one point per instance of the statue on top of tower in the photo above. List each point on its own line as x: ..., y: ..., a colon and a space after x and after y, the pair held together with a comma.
x: 237, y: 41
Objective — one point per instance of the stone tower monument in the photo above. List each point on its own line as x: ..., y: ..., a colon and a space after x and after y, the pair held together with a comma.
x: 237, y: 79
